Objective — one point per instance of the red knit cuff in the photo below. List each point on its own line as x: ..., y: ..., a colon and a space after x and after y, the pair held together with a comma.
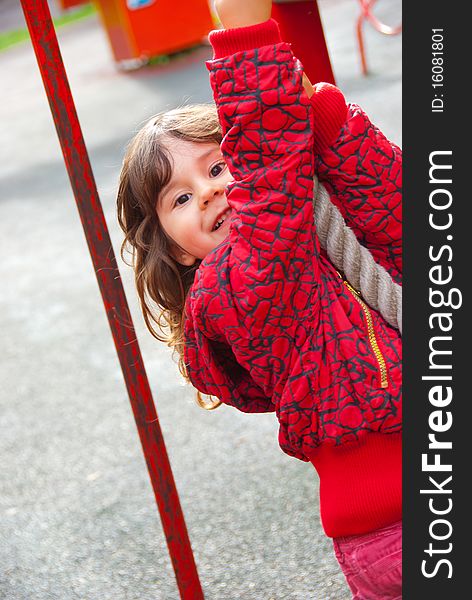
x: 330, y: 112
x: 229, y: 41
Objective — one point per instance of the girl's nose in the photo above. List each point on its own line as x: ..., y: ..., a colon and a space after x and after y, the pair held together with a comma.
x: 208, y: 194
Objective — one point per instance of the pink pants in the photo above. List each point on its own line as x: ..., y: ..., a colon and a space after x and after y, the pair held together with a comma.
x: 372, y: 563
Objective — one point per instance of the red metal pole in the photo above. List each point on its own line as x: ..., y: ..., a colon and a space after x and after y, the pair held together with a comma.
x: 55, y: 81
x: 300, y: 24
x: 367, y: 14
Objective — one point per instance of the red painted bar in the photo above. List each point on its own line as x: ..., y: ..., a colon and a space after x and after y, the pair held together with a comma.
x: 55, y: 81
x: 368, y: 15
x: 300, y: 24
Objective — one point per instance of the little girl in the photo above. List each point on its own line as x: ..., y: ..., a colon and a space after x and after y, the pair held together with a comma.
x: 218, y: 212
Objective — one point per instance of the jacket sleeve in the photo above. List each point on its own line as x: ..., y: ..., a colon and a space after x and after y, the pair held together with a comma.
x: 268, y: 146
x: 267, y: 282
x: 267, y: 125
x: 216, y: 372
x: 362, y: 171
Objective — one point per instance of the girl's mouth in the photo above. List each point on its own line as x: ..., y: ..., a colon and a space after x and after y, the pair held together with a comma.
x: 221, y: 219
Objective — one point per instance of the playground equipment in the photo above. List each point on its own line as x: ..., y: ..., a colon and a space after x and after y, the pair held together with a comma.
x: 137, y: 30
x: 140, y: 29
x: 367, y: 15
x: 300, y: 24
x: 78, y: 166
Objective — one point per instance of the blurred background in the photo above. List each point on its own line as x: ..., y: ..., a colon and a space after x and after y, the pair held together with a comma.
x: 78, y: 518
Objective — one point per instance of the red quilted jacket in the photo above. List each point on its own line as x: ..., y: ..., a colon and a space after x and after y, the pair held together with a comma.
x: 270, y: 323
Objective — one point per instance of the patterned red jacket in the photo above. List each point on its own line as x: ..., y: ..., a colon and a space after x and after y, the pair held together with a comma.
x: 270, y: 323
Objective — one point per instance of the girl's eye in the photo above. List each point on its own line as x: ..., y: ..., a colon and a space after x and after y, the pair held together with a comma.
x: 182, y: 199
x: 217, y: 169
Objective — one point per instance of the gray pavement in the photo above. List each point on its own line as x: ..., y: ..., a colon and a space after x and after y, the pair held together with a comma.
x: 77, y: 513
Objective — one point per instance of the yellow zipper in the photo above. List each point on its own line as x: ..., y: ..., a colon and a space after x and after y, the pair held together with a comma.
x: 371, y: 334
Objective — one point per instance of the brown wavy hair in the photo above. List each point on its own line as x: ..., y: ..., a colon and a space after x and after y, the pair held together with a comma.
x: 162, y: 283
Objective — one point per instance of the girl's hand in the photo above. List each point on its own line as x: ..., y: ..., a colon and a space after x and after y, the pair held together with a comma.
x: 242, y: 13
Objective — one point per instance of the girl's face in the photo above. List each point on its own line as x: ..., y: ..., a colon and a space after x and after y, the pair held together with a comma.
x: 192, y: 208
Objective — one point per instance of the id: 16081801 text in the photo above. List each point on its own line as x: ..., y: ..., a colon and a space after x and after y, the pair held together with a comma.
x: 437, y: 70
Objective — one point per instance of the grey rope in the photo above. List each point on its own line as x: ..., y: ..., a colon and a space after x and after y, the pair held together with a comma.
x: 374, y: 283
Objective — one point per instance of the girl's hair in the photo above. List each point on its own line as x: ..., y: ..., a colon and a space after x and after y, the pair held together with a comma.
x: 162, y: 283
